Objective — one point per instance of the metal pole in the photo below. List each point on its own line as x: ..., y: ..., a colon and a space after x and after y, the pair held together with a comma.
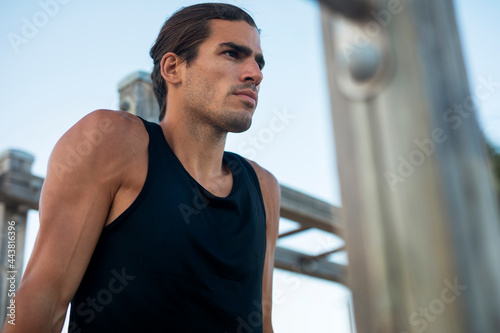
x: 418, y: 205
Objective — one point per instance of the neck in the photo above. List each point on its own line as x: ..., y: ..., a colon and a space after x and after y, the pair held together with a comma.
x: 199, y: 147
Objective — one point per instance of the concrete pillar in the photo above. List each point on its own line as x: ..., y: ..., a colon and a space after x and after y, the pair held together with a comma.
x: 418, y: 204
x: 137, y: 97
x: 19, y: 192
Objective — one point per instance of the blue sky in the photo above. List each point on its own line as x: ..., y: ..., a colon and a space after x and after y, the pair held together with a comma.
x: 71, y: 63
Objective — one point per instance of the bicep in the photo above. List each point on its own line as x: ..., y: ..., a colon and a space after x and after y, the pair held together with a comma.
x: 74, y: 204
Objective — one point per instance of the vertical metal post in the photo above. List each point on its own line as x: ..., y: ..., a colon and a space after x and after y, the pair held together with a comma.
x: 418, y: 206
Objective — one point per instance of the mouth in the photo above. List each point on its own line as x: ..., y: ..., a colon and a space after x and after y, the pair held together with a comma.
x: 248, y: 95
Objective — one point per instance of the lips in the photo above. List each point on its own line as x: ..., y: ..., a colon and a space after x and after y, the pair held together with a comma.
x: 249, y: 95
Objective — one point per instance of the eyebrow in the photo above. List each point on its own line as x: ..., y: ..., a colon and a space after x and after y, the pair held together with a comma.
x: 245, y: 50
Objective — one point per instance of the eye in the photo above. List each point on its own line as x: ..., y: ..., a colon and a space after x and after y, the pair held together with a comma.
x: 231, y: 53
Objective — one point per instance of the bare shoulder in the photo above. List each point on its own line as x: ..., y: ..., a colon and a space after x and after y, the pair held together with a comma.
x: 111, y: 125
x: 102, y: 136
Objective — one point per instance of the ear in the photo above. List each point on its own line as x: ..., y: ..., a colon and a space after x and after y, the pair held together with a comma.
x: 171, y: 68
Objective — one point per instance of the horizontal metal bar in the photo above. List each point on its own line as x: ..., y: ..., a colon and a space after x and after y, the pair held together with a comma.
x: 326, y: 254
x: 309, y: 211
x: 298, y: 262
x: 293, y: 232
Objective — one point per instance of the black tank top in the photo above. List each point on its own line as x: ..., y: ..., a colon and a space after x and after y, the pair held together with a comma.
x: 179, y: 259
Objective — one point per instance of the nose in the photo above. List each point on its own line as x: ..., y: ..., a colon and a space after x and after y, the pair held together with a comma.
x: 252, y: 73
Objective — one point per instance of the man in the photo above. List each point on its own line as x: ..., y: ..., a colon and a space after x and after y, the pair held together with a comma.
x: 147, y: 227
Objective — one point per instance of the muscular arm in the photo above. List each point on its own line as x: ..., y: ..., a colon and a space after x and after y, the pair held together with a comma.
x: 271, y: 194
x: 77, y: 194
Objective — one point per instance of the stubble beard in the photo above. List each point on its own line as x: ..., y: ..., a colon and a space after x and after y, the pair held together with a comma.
x: 223, y: 119
x: 220, y: 121
x: 235, y: 122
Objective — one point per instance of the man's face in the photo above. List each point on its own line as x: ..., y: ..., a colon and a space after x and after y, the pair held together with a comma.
x: 222, y: 83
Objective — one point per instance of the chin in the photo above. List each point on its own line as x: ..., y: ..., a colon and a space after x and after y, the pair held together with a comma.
x: 239, y: 126
x: 237, y: 121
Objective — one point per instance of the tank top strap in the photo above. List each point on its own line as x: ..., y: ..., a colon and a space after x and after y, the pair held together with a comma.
x: 155, y: 133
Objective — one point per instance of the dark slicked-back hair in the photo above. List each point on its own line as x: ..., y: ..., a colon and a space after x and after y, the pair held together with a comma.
x: 183, y: 33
